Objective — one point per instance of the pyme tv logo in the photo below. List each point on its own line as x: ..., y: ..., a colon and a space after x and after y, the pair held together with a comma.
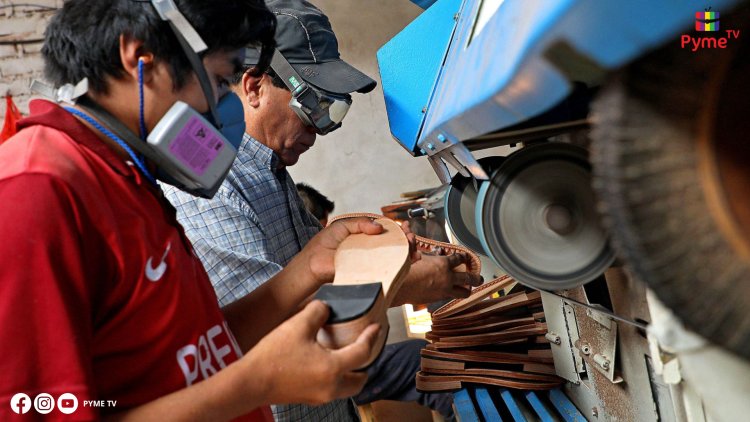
x: 707, y: 21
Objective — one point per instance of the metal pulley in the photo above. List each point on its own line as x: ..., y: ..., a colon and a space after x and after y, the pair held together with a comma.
x: 460, y: 205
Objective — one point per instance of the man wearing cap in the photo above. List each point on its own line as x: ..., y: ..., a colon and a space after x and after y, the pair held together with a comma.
x: 257, y: 222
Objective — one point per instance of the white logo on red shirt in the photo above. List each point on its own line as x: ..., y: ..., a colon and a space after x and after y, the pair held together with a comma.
x: 213, y: 353
x: 155, y: 274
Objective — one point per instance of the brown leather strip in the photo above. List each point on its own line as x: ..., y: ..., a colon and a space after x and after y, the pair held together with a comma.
x: 429, y: 382
x: 539, y: 368
x: 540, y: 325
x: 541, y: 353
x: 487, y: 305
x: 427, y: 245
x: 441, y: 248
x: 477, y: 295
x: 495, y: 323
x: 495, y: 306
x: 429, y: 364
x: 474, y: 337
x: 510, y: 375
x: 492, y: 338
x: 482, y: 328
x: 520, y: 370
x: 482, y: 356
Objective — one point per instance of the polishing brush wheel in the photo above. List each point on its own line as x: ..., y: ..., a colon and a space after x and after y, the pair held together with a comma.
x: 670, y: 153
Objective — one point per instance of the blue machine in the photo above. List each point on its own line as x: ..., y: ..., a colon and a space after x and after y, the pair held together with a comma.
x: 465, y: 69
x: 473, y: 74
x: 665, y: 163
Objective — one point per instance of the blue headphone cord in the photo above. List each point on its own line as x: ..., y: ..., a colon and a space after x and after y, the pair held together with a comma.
x: 138, y: 162
x: 141, y: 119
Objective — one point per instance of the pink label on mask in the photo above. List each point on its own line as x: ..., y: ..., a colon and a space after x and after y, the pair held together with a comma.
x: 196, y: 146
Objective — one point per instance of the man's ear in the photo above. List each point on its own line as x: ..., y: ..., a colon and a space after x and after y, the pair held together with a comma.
x: 251, y: 88
x: 131, y: 51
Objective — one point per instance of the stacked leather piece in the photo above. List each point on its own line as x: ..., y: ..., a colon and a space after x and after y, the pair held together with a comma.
x: 483, y: 340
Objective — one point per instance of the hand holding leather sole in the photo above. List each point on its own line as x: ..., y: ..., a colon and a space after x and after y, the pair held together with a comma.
x: 369, y: 270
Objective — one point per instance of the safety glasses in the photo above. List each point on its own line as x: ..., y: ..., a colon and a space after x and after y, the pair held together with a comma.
x: 319, y: 109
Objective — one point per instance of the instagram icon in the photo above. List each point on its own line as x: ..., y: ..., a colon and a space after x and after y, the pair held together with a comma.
x: 44, y: 403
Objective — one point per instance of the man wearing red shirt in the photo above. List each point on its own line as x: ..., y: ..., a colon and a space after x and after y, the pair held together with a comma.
x: 101, y: 295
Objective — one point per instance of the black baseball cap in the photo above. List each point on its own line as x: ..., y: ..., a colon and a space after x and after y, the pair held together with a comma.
x: 305, y: 38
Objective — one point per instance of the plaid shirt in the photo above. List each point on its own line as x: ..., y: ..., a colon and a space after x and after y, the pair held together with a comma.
x: 254, y: 225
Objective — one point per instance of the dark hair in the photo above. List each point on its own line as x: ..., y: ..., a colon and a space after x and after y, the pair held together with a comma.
x: 83, y: 38
x: 277, y: 82
x: 315, y: 202
x: 275, y: 78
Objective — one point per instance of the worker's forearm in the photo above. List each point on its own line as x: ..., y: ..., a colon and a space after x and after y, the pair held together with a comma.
x: 256, y: 314
x: 222, y: 397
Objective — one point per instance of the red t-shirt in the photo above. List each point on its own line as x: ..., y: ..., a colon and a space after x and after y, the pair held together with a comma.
x: 101, y: 294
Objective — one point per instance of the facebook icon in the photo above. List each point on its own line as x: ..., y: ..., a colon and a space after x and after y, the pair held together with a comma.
x: 20, y: 403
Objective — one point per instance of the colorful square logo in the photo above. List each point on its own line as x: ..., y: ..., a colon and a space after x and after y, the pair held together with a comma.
x: 707, y: 21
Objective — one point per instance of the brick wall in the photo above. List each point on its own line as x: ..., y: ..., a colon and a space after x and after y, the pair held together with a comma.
x: 21, y: 25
